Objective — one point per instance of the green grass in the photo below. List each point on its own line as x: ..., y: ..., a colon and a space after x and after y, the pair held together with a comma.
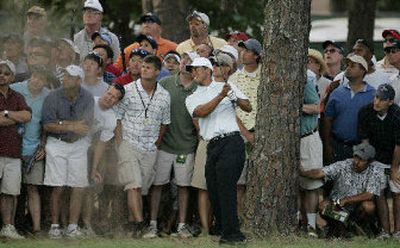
x: 204, y: 242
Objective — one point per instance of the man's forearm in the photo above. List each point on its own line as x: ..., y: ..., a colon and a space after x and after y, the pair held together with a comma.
x: 365, y: 196
x: 98, y: 153
x: 311, y: 109
x: 205, y: 109
x: 60, y: 127
x: 244, y: 104
x: 20, y: 116
x: 4, y: 121
x: 396, y: 158
x: 326, y: 131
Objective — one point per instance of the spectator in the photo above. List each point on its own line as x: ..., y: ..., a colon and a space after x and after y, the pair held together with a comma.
x: 134, y: 67
x: 92, y: 15
x: 14, y: 52
x: 390, y: 35
x: 143, y: 116
x: 67, y: 115
x: 151, y: 25
x: 198, y: 25
x: 107, y: 69
x: 36, y: 24
x: 333, y: 55
x: 317, y: 65
x: 93, y: 82
x: 14, y: 111
x: 172, y: 62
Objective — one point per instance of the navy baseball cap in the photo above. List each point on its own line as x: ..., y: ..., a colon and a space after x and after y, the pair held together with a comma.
x: 150, y: 39
x: 150, y: 17
x: 333, y: 43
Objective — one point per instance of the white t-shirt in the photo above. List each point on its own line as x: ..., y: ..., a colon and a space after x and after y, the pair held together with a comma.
x: 104, y: 122
x: 223, y: 118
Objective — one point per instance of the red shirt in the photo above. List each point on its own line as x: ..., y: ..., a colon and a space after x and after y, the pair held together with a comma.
x: 11, y: 141
x: 124, y: 79
x: 114, y: 70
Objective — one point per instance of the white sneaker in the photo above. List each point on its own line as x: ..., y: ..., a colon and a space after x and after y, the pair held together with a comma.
x: 184, y: 232
x: 396, y: 235
x: 74, y: 234
x: 151, y: 233
x: 55, y: 233
x: 9, y: 231
x: 383, y: 235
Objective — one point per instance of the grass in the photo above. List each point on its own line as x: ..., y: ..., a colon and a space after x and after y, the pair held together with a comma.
x: 203, y: 242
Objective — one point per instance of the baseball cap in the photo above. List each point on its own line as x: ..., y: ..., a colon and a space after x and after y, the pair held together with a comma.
x: 358, y: 59
x: 150, y: 39
x: 75, y: 71
x: 9, y: 64
x: 366, y: 43
x: 364, y: 151
x: 251, y: 44
x: 93, y: 4
x: 237, y: 35
x: 36, y: 10
x: 199, y: 62
x: 104, y: 36
x: 139, y: 52
x: 71, y: 44
x: 95, y: 57
x: 333, y: 43
x: 150, y: 17
x: 192, y: 55
x: 172, y: 55
x: 222, y: 58
x: 230, y: 50
x: 391, y: 32
x: 385, y: 92
x: 199, y: 16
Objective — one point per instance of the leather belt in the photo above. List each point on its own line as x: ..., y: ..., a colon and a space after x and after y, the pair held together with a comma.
x: 222, y: 136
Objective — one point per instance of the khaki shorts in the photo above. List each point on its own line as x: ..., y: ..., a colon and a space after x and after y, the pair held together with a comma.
x: 199, y: 178
x: 183, y: 172
x: 66, y: 163
x: 36, y: 175
x: 394, y: 187
x: 311, y: 158
x: 108, y: 166
x: 135, y: 168
x: 10, y: 175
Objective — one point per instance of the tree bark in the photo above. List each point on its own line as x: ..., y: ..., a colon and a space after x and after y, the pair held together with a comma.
x: 172, y: 14
x: 361, y: 21
x: 271, y: 203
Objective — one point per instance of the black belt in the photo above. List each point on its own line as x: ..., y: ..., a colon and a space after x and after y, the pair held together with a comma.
x: 67, y: 139
x: 309, y: 133
x: 225, y: 135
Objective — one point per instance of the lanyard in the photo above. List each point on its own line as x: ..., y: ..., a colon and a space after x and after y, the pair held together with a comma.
x: 141, y: 99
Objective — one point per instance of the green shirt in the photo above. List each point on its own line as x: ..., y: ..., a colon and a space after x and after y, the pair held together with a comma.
x: 181, y: 136
x: 309, y: 122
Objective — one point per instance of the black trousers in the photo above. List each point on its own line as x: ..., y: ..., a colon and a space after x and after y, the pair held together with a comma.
x: 225, y: 161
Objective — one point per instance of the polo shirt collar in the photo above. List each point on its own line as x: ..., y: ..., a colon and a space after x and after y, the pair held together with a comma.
x: 366, y: 88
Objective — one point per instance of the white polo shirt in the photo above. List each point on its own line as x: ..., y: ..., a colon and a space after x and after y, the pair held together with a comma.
x: 104, y: 121
x: 223, y: 118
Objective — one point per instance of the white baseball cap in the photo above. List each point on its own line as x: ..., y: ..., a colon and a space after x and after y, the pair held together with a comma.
x: 200, y: 62
x: 10, y: 65
x: 358, y: 59
x: 199, y: 16
x: 93, y: 4
x: 72, y: 45
x: 231, y: 50
x: 75, y: 71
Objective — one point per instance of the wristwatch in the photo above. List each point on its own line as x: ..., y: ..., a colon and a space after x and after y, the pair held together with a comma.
x: 60, y: 122
x: 5, y: 112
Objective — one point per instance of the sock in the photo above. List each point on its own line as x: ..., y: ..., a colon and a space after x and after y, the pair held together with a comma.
x: 55, y: 226
x: 72, y: 227
x: 153, y: 223
x: 312, y: 219
x: 180, y: 225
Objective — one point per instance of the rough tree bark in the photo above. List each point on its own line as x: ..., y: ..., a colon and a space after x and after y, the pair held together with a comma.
x: 271, y: 202
x: 172, y: 14
x: 361, y: 21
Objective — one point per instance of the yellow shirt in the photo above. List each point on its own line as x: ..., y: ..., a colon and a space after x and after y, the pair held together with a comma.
x: 188, y: 45
x: 248, y: 84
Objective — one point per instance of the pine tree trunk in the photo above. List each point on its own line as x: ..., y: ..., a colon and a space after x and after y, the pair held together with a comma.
x: 272, y: 188
x: 361, y: 21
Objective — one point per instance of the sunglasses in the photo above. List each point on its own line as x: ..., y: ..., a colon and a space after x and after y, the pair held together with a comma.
x: 330, y: 50
x: 5, y: 73
x: 390, y: 40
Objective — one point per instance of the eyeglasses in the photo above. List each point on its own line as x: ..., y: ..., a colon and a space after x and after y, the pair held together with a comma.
x: 332, y: 50
x: 218, y: 64
x: 5, y: 73
x: 389, y: 50
x: 36, y: 54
